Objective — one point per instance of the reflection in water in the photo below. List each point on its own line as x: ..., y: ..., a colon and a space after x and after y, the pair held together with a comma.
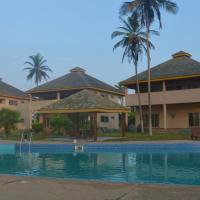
x: 121, y: 167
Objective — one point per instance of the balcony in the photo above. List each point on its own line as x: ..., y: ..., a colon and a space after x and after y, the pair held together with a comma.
x: 166, y: 97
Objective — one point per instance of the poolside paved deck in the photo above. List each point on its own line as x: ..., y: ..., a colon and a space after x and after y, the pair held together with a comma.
x: 102, y: 142
x: 28, y: 188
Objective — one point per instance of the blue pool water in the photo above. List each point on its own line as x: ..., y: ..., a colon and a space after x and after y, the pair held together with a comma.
x: 138, y: 163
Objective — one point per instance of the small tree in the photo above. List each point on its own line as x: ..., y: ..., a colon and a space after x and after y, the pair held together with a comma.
x: 9, y: 119
x: 37, y: 127
x: 59, y: 124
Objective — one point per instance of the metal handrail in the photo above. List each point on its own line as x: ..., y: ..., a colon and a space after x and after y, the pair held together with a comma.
x: 23, y: 138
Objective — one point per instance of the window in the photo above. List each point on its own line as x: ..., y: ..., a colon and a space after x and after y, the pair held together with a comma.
x: 154, y: 118
x: 13, y: 102
x: 2, y: 101
x: 104, y: 119
x: 194, y: 119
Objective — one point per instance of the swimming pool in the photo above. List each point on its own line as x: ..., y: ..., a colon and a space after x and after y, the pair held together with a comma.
x: 129, y: 163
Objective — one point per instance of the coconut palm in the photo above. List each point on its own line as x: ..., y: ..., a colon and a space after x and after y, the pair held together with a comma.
x: 148, y: 11
x: 38, y: 68
x: 133, y: 41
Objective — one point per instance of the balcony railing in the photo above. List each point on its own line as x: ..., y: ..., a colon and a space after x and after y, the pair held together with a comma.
x: 166, y: 97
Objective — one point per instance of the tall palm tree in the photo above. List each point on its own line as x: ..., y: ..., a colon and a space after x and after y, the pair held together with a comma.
x: 133, y: 41
x: 38, y: 68
x: 148, y: 11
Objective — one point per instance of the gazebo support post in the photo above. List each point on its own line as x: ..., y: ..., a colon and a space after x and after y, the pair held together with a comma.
x: 77, y: 125
x: 94, y: 126
x: 123, y: 124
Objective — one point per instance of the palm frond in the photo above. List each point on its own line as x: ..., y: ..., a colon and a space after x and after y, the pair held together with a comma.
x: 38, y: 70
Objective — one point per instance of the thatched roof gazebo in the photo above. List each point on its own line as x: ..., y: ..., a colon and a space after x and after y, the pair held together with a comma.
x: 87, y: 101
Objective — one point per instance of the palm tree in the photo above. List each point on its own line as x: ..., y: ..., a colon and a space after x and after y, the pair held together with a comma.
x: 134, y: 43
x: 148, y: 11
x: 38, y: 69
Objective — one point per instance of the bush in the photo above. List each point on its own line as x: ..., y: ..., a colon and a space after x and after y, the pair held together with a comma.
x: 59, y: 124
x: 132, y: 128
x: 37, y: 127
x: 8, y: 120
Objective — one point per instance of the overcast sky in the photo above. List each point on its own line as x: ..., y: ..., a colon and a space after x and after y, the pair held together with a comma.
x: 72, y: 33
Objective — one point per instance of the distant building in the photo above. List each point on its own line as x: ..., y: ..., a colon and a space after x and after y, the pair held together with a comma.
x: 76, y: 81
x: 14, y: 99
x: 175, y: 86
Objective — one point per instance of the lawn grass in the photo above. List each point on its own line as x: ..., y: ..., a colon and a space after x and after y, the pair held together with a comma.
x: 146, y: 137
x: 16, y: 136
x: 113, y: 137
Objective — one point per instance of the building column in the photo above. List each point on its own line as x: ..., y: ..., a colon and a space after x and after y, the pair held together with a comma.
x: 58, y: 95
x: 165, y: 116
x: 163, y: 86
x: 42, y: 120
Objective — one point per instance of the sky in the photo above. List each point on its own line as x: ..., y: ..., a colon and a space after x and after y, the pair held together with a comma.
x: 72, y: 33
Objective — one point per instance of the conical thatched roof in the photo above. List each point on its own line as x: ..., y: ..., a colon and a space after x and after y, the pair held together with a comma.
x: 10, y: 91
x: 84, y: 101
x: 181, y: 65
x: 77, y: 79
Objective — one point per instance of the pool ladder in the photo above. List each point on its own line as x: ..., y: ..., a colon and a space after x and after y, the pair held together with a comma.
x: 26, y: 136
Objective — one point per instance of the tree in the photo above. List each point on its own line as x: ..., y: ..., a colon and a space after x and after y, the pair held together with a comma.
x: 148, y: 11
x: 133, y: 41
x: 8, y: 120
x: 38, y: 68
x: 58, y: 123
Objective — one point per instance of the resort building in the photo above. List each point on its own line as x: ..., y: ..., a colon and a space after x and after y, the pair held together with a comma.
x: 76, y: 81
x: 175, y: 86
x: 14, y: 99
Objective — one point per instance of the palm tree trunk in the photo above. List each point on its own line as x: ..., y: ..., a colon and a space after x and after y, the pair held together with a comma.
x: 149, y: 80
x: 139, y: 100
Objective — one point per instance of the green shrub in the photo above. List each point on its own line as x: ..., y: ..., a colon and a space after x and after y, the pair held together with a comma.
x: 8, y: 120
x: 37, y: 127
x: 60, y: 124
